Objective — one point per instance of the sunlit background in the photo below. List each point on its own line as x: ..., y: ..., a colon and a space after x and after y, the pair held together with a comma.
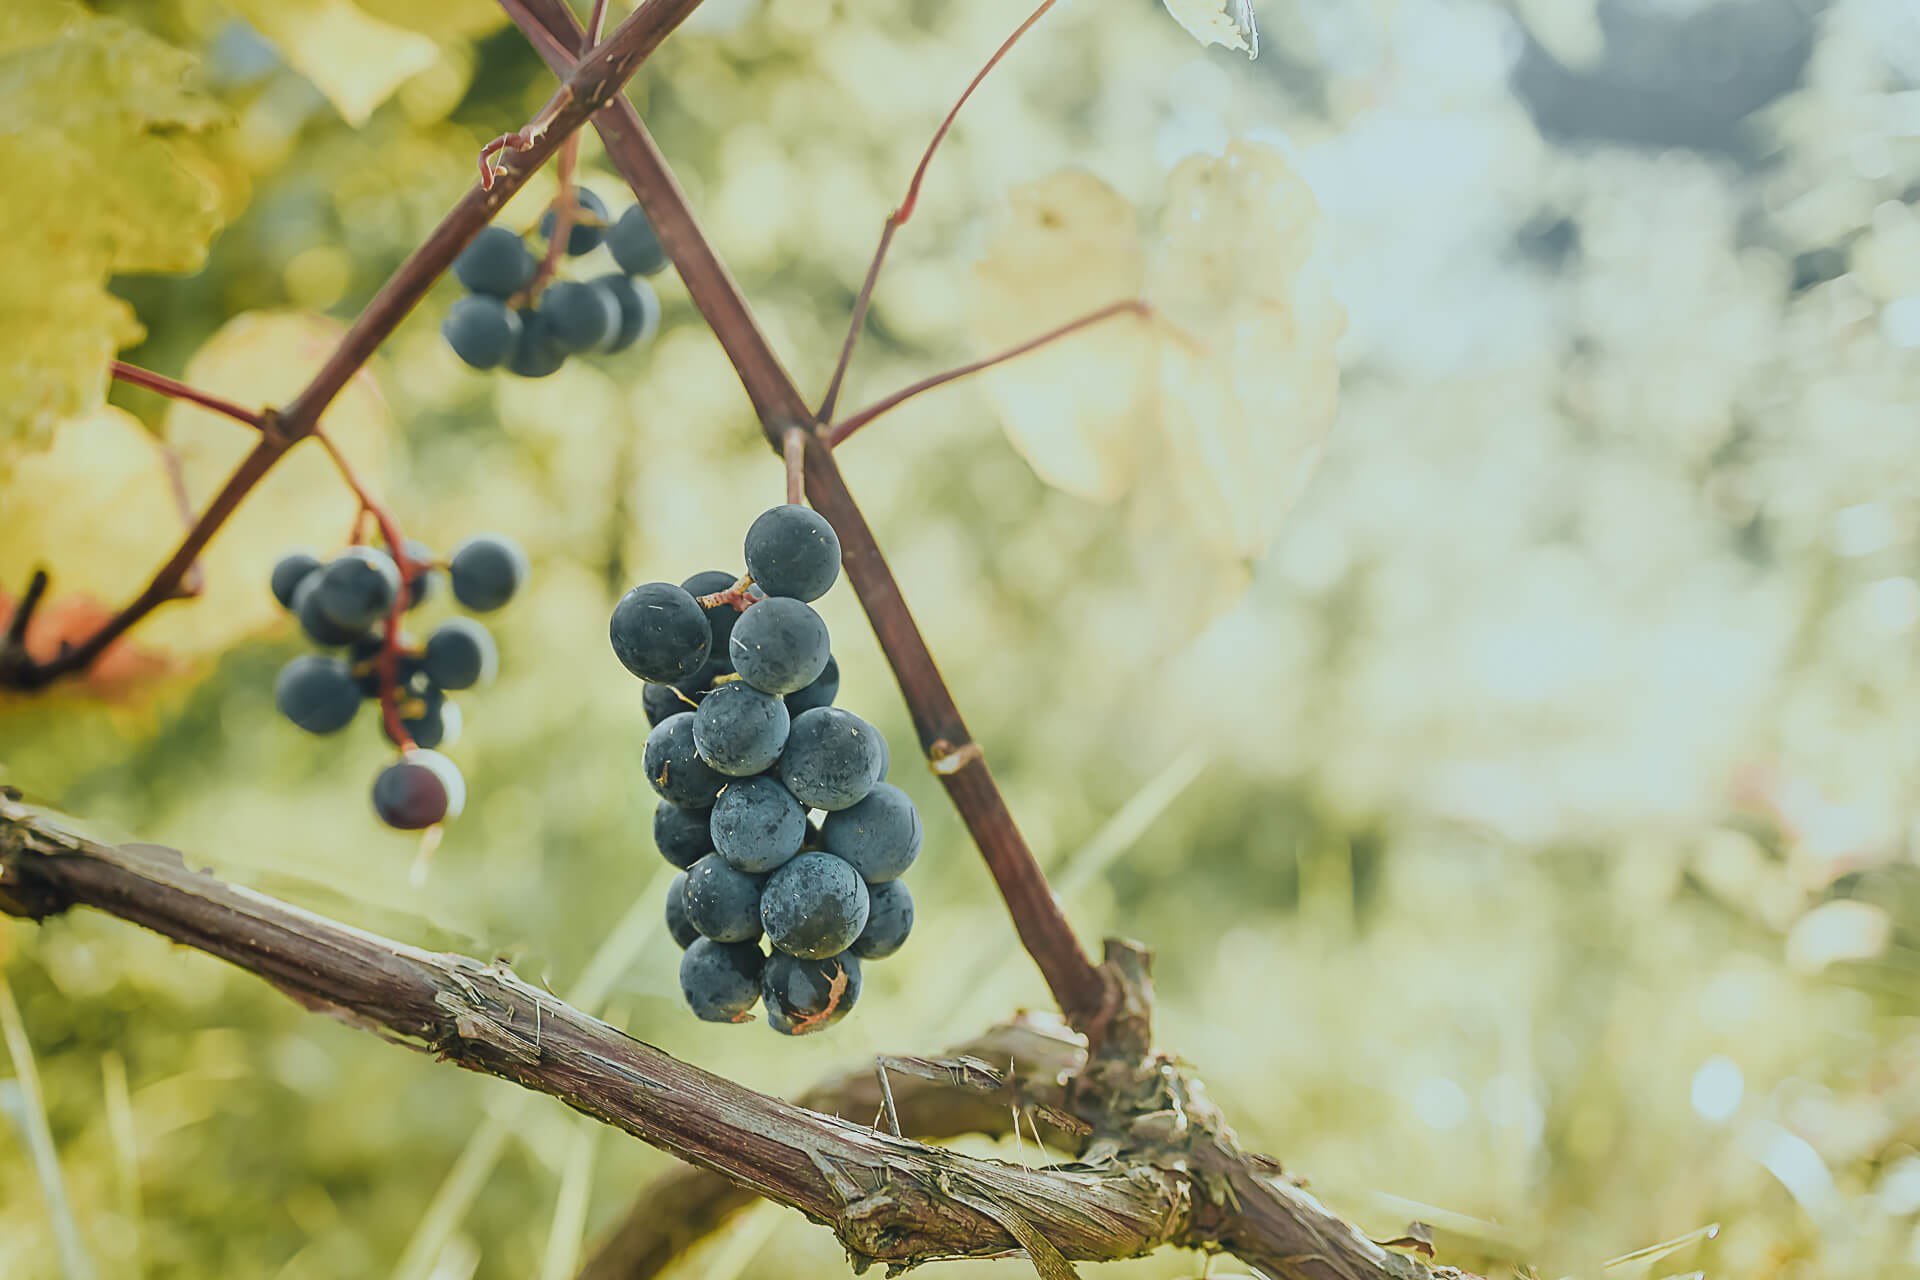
x: 1526, y: 840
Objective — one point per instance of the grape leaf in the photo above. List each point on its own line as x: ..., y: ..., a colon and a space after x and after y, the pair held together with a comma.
x: 353, y: 58
x: 253, y: 360
x: 1213, y: 413
x: 1076, y: 410
x: 1227, y: 22
x: 97, y: 510
x: 97, y: 125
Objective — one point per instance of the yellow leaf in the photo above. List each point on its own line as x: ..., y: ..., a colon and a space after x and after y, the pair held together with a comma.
x: 353, y: 58
x: 100, y: 115
x: 257, y: 359
x: 1076, y: 409
x: 1214, y: 413
x: 1227, y: 22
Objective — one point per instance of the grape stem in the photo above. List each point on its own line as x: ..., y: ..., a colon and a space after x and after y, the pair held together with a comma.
x: 840, y: 431
x: 898, y: 218
x: 793, y: 452
x: 593, y: 82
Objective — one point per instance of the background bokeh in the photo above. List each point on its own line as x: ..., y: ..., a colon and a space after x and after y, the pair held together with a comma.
x: 1528, y: 849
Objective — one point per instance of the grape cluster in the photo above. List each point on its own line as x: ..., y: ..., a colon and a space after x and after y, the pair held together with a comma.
x: 499, y: 325
x: 773, y: 800
x: 348, y: 605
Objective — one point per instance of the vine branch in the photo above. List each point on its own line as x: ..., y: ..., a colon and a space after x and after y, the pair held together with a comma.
x: 1083, y: 993
x: 592, y: 82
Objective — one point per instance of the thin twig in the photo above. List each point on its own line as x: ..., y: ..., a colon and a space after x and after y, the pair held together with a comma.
x: 16, y: 637
x: 161, y: 384
x: 840, y: 431
x: 898, y: 218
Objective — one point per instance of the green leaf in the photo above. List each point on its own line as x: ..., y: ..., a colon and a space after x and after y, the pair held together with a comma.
x: 96, y: 125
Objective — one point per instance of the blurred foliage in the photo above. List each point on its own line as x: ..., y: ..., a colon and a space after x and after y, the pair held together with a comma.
x: 1529, y: 849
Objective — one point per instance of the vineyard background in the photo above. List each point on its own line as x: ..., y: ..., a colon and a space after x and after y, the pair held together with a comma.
x: 1527, y: 850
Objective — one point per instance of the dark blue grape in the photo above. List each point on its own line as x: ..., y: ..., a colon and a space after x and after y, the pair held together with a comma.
x: 722, y: 903
x: 792, y: 551
x: 674, y: 768
x: 486, y: 570
x: 678, y: 926
x: 886, y: 760
x: 889, y: 921
x: 634, y: 244
x: 721, y: 980
x: 779, y: 645
x: 663, y: 700
x: 757, y: 825
x: 497, y: 263
x: 538, y: 353
x: 317, y: 693
x: 358, y: 587
x: 579, y: 316
x: 740, y: 730
x: 879, y: 837
x: 659, y: 633
x: 429, y: 718
x: 292, y: 569
x: 420, y: 564
x: 418, y: 790
x: 639, y: 309
x: 482, y: 331
x: 683, y: 836
x: 821, y: 693
x: 460, y: 654
x: 804, y: 996
x: 814, y: 906
x: 589, y: 226
x: 832, y: 758
x: 320, y: 628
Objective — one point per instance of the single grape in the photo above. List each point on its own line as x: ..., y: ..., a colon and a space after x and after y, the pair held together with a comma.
x: 889, y: 921
x: 886, y: 760
x: 358, y: 587
x: 722, y: 903
x: 639, y: 309
x: 663, y: 700
x: 879, y: 837
x: 721, y: 980
x: 779, y: 645
x: 814, y: 906
x: 634, y: 245
x: 720, y: 617
x: 675, y: 769
x: 418, y: 790
x: 683, y: 836
x: 678, y: 926
x: 832, y: 758
x: 821, y: 693
x: 804, y: 996
x: 793, y: 551
x: 740, y: 730
x: 579, y: 316
x: 659, y: 633
x: 317, y: 693
x: 496, y: 263
x: 320, y: 628
x: 482, y: 331
x: 460, y: 654
x: 589, y: 223
x: 486, y: 570
x: 757, y: 825
x: 538, y: 353
x: 289, y: 572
